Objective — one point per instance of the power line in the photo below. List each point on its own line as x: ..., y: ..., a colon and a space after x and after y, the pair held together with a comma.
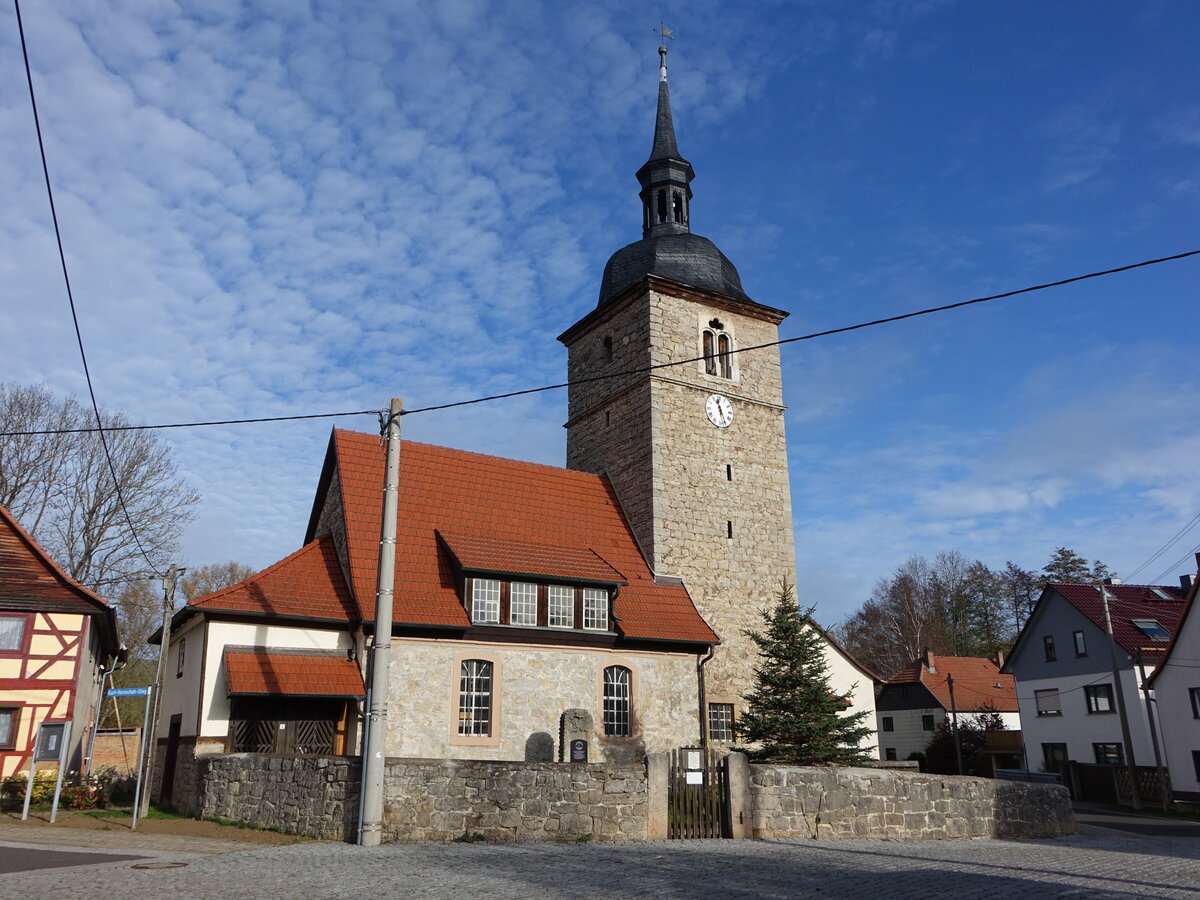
x: 112, y: 469
x: 818, y: 334
x: 1163, y: 549
x: 1179, y: 562
x: 639, y: 370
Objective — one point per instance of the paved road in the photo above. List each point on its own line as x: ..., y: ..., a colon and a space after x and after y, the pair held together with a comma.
x: 1104, y: 866
x: 21, y: 859
x: 1149, y: 825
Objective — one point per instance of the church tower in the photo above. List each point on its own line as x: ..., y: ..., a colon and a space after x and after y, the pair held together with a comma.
x: 689, y: 431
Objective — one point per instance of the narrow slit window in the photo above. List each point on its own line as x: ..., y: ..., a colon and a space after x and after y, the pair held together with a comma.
x: 662, y: 206
x: 729, y: 530
x: 608, y: 348
x: 729, y: 473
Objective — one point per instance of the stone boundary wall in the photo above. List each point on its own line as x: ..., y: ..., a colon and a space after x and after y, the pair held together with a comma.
x: 441, y: 799
x: 819, y: 802
x: 428, y: 799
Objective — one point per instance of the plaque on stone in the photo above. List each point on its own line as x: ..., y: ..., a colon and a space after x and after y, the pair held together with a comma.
x: 579, y: 751
x: 575, y: 727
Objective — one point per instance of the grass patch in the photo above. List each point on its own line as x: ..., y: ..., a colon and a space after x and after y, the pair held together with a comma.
x: 469, y: 837
x: 126, y: 812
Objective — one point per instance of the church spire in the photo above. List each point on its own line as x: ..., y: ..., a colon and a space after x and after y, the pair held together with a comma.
x: 666, y: 177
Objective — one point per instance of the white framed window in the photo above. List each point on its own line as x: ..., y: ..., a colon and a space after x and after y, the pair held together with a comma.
x: 475, y: 698
x: 1047, y: 702
x: 720, y: 721
x: 12, y: 633
x: 523, y: 603
x: 617, y: 701
x: 595, y: 609
x: 1099, y: 698
x: 485, y: 600
x: 1080, y: 643
x: 561, y: 613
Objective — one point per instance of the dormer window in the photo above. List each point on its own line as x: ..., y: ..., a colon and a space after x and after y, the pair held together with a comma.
x: 527, y: 604
x: 1152, y: 629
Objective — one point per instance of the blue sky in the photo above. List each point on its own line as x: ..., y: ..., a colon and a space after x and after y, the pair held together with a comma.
x: 295, y: 208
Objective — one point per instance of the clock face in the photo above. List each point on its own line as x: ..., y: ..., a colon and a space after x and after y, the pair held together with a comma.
x: 719, y: 409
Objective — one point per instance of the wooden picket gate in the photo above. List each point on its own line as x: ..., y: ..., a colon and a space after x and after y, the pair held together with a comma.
x: 697, y: 796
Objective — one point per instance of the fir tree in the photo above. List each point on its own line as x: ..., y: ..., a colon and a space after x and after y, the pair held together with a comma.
x: 793, y: 713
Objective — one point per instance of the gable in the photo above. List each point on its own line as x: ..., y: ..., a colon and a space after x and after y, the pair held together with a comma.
x: 462, y: 511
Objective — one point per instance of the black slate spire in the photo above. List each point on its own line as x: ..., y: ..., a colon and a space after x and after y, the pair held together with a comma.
x: 666, y: 177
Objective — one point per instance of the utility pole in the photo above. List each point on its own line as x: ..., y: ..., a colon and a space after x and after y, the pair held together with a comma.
x: 1164, y: 786
x: 151, y: 726
x: 954, y: 721
x: 1130, y: 764
x: 371, y: 830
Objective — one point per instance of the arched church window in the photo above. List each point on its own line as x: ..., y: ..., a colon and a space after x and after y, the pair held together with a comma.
x: 725, y: 356
x: 677, y: 203
x: 710, y: 357
x: 662, y: 206
x: 617, y: 701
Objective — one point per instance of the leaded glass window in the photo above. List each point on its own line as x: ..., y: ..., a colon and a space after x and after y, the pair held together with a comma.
x: 475, y: 698
x: 616, y: 701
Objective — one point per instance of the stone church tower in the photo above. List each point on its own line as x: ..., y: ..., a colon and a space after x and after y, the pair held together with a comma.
x: 689, y: 431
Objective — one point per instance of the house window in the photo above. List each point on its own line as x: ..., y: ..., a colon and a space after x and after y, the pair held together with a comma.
x: 523, y: 603
x: 1054, y: 757
x: 720, y: 721
x: 9, y: 717
x: 888, y: 724
x: 1047, y: 702
x: 485, y: 600
x: 562, y: 607
x: 1080, y: 643
x: 1152, y: 629
x: 889, y: 753
x: 616, y: 701
x: 12, y: 633
x: 179, y: 658
x: 595, y: 609
x: 927, y: 723
x: 475, y: 698
x: 1194, y: 693
x: 1048, y: 644
x: 1099, y: 698
x: 1109, y: 754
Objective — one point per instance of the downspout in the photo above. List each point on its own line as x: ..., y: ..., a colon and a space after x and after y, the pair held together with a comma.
x: 703, y: 694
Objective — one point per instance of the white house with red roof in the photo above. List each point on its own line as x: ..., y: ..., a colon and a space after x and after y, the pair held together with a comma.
x: 618, y: 589
x: 56, y: 640
x: 1176, y: 686
x: 1062, y: 665
x: 918, y: 698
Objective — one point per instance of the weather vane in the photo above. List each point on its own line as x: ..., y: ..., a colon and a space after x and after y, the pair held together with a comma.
x: 664, y: 32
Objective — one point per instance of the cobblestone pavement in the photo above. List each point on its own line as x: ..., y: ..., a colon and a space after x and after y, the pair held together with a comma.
x: 1089, y: 865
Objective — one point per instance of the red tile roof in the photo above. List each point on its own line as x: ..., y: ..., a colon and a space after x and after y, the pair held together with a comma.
x: 975, y: 683
x: 308, y: 584
x: 489, y: 508
x: 307, y: 673
x: 31, y: 580
x: 489, y: 554
x: 1129, y: 601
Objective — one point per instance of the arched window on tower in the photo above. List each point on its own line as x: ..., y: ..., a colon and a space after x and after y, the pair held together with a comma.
x: 662, y: 206
x: 725, y: 356
x: 677, y: 204
x: 710, y: 357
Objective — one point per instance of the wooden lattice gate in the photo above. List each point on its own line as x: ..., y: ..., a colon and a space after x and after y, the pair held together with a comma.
x: 697, y: 796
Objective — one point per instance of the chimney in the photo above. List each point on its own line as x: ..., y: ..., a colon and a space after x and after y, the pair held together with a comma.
x: 1112, y: 581
x: 1185, y: 582
x: 998, y: 659
x: 929, y: 660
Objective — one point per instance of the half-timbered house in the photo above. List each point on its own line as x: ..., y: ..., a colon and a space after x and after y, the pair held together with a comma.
x: 56, y: 638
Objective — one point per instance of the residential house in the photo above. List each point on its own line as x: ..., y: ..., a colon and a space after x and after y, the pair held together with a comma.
x: 917, y: 699
x: 57, y: 639
x: 617, y: 590
x: 1176, y: 687
x: 1064, y: 670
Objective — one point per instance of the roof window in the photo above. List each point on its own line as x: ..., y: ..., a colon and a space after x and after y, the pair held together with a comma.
x: 1152, y: 629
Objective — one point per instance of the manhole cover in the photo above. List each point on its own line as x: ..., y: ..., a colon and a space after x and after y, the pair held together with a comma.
x: 159, y: 865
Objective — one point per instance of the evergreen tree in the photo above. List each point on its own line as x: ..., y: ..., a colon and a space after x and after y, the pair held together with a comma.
x: 793, y: 712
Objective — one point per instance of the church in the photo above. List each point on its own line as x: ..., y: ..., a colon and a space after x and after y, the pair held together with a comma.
x: 614, y: 592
